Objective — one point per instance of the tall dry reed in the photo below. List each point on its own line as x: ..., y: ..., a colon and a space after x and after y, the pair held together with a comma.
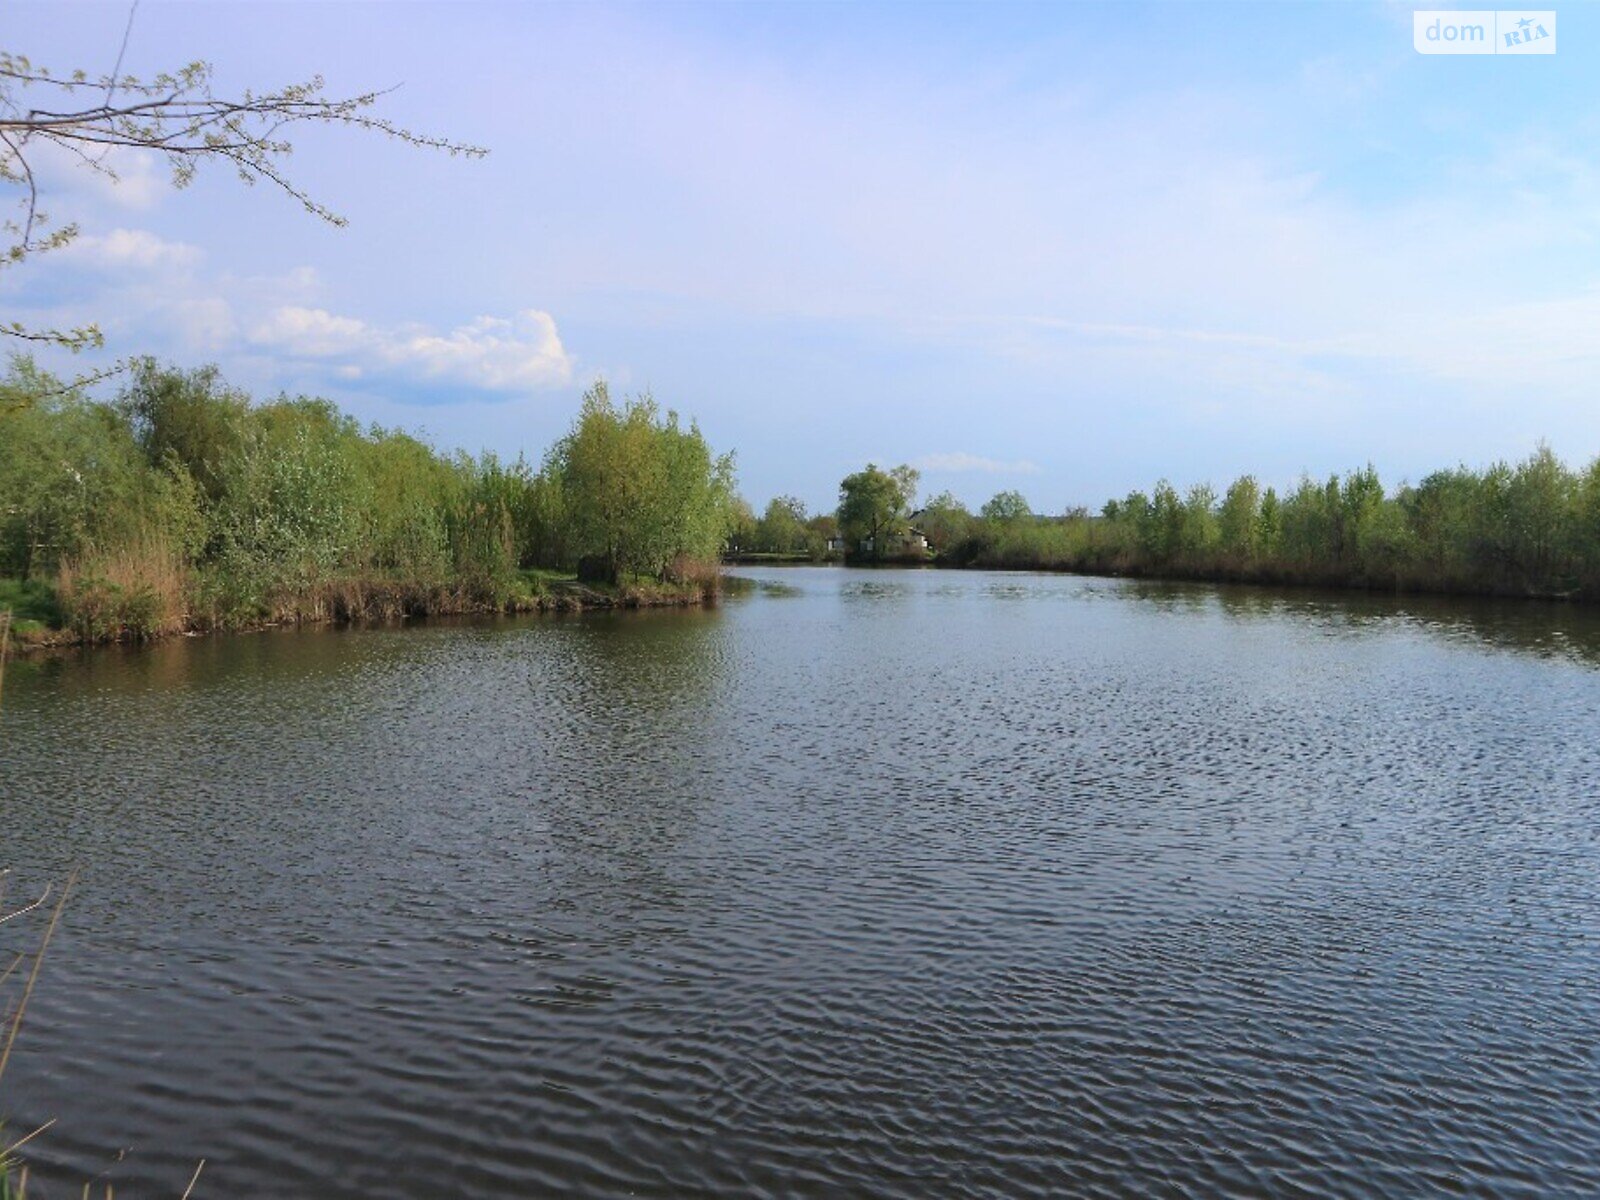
x: 139, y: 589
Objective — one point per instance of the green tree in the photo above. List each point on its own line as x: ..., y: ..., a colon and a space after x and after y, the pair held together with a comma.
x: 1200, y: 533
x: 1269, y: 526
x: 1161, y: 535
x: 873, y: 505
x: 1308, y: 523
x: 1543, y: 496
x: 1006, y: 506
x: 406, y: 489
x: 72, y: 477
x: 191, y: 416
x: 1366, y: 537
x: 1237, y: 522
x: 1438, y: 516
x: 822, y: 529
x: 782, y: 528
x: 1586, y: 528
x: 291, y: 516
x: 639, y: 491
x: 744, y: 529
x: 945, y: 521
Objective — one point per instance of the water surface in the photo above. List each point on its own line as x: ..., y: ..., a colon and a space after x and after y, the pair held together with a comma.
x: 883, y: 883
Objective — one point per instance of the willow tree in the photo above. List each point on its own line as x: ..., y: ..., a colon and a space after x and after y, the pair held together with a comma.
x: 179, y: 116
x: 873, y: 505
x: 641, y: 494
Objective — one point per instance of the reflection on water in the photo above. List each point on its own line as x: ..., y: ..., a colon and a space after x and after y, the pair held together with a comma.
x: 887, y: 882
x: 1536, y: 627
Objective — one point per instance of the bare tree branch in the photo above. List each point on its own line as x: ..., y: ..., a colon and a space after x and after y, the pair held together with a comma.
x: 177, y: 115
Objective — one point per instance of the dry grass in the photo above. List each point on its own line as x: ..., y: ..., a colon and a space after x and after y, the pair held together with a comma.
x: 359, y: 598
x: 17, y: 1189
x: 137, y: 591
x: 145, y: 592
x: 700, y: 575
x: 13, y: 1173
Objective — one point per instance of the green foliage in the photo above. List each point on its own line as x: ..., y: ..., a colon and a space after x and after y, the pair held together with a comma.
x: 480, y: 522
x: 544, y: 532
x: 1006, y: 506
x: 403, y: 529
x: 640, y: 494
x: 1528, y: 529
x: 290, y: 513
x: 182, y: 503
x: 1238, y: 522
x: 784, y: 531
x: 782, y: 528
x: 31, y: 602
x: 69, y: 473
x: 822, y: 529
x: 1269, y: 526
x: 873, y: 507
x: 1199, y: 535
x: 945, y: 521
x: 744, y: 532
x: 190, y: 416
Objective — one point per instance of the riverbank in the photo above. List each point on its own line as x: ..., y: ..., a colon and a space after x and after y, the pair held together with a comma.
x: 772, y: 558
x: 45, y: 617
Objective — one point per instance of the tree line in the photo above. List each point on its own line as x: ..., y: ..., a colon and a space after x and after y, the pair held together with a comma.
x: 784, y: 530
x: 1529, y: 528
x: 183, y: 503
x: 874, y: 510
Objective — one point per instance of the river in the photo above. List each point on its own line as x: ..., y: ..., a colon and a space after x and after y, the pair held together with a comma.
x: 888, y: 883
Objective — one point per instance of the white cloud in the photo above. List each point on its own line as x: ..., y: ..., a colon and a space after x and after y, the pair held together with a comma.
x: 127, y: 178
x: 130, y: 248
x: 493, y: 353
x: 151, y: 293
x: 205, y: 324
x: 313, y: 333
x: 140, y: 178
x: 961, y: 461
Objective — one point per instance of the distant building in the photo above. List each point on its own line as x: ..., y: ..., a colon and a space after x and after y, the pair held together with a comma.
x: 913, y: 543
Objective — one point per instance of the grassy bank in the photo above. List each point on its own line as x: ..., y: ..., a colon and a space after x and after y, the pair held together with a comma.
x: 33, y: 605
x: 73, y: 614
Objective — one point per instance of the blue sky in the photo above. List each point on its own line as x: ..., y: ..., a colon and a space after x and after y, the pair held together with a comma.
x: 1068, y: 249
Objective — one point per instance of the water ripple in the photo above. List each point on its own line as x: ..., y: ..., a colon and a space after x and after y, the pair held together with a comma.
x: 888, y: 883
